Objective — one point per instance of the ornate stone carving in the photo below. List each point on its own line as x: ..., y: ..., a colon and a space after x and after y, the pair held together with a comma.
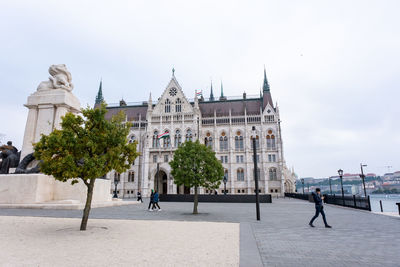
x: 60, y: 79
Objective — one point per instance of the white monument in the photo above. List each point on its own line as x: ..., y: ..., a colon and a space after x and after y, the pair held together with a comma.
x: 51, y: 100
x: 47, y: 105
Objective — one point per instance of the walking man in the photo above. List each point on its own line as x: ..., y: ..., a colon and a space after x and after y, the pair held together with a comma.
x: 139, y: 196
x: 151, y: 200
x: 319, y: 208
x: 155, y: 201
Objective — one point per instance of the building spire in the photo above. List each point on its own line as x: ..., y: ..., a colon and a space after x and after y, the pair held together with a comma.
x: 211, y: 94
x: 222, y: 90
x: 99, y: 97
x: 265, y: 85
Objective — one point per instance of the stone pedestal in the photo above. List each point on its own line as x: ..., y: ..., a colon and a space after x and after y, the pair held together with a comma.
x: 46, y: 108
x: 41, y: 188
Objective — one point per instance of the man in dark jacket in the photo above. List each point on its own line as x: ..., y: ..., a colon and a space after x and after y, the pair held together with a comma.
x: 155, y: 201
x: 139, y: 196
x: 319, y: 207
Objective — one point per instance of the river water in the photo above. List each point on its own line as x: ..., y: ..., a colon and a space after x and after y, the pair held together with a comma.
x: 388, y: 202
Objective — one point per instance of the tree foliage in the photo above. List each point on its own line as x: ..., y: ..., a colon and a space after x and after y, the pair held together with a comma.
x: 195, y: 165
x: 86, y: 147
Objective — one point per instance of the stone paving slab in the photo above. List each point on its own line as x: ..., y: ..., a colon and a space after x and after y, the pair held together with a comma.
x: 41, y: 241
x: 283, y: 237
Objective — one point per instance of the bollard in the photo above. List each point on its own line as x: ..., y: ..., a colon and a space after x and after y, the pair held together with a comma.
x: 380, y: 202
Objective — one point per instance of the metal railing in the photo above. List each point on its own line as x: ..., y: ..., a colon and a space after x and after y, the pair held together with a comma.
x: 356, y: 202
x: 298, y: 196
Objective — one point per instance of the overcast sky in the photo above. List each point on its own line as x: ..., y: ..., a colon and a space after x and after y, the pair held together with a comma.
x: 333, y: 66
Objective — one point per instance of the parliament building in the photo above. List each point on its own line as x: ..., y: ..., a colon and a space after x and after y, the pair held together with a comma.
x: 223, y: 123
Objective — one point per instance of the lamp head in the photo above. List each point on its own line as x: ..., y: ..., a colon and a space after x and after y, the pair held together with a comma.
x: 340, y: 172
x: 253, y: 132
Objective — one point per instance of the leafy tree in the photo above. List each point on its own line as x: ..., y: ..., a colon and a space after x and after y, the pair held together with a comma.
x: 86, y: 148
x: 195, y: 165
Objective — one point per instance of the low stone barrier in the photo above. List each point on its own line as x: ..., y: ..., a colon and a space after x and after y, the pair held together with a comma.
x: 217, y: 198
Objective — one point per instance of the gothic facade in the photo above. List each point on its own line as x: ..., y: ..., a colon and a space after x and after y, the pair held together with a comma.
x: 225, y: 124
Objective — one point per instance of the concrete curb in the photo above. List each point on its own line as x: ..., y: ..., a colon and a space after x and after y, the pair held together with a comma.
x: 67, y: 206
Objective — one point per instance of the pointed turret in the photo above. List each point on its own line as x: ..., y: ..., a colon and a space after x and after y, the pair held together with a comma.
x: 266, y: 97
x: 266, y: 84
x: 211, y: 94
x: 150, y: 103
x: 196, y: 100
x: 99, y: 97
x: 222, y: 97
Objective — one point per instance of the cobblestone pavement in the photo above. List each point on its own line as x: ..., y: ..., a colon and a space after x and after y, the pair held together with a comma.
x: 282, y: 237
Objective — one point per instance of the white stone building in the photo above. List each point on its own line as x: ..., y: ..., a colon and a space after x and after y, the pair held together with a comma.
x: 223, y: 123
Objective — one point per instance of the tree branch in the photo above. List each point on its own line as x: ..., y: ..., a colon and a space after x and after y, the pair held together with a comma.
x: 86, y: 183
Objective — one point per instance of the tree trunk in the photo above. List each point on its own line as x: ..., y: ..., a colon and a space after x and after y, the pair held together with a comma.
x: 196, y: 201
x: 86, y: 211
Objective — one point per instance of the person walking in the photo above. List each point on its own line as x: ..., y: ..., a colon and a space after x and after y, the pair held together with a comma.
x: 139, y: 196
x: 151, y: 200
x: 319, y: 208
x: 155, y: 201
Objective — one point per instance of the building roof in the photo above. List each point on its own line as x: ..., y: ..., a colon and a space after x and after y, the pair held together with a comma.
x: 237, y: 107
x: 133, y: 112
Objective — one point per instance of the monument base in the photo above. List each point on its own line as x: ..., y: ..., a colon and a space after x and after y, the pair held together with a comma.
x: 39, y: 190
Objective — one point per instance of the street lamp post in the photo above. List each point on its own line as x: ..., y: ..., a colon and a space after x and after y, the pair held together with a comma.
x: 330, y: 185
x: 158, y: 175
x: 302, y: 182
x: 363, y: 178
x: 254, y: 135
x: 116, y: 181
x: 225, y: 180
x: 340, y: 172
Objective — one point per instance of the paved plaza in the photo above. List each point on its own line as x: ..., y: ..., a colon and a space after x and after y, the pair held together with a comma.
x: 282, y: 237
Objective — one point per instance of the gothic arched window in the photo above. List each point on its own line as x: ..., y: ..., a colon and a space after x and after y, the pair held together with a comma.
x: 132, y: 139
x: 273, y: 141
x: 178, y: 138
x: 167, y: 140
x: 272, y: 174
x: 239, y: 141
x: 223, y: 142
x: 156, y: 142
x: 167, y: 106
x: 208, y: 141
x: 240, y: 174
x: 271, y: 144
x: 178, y: 105
x: 189, y: 135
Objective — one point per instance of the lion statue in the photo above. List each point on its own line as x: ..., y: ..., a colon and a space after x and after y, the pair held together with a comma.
x: 60, y: 79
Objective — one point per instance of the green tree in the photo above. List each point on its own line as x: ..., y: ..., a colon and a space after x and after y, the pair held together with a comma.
x: 195, y: 165
x: 86, y: 148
